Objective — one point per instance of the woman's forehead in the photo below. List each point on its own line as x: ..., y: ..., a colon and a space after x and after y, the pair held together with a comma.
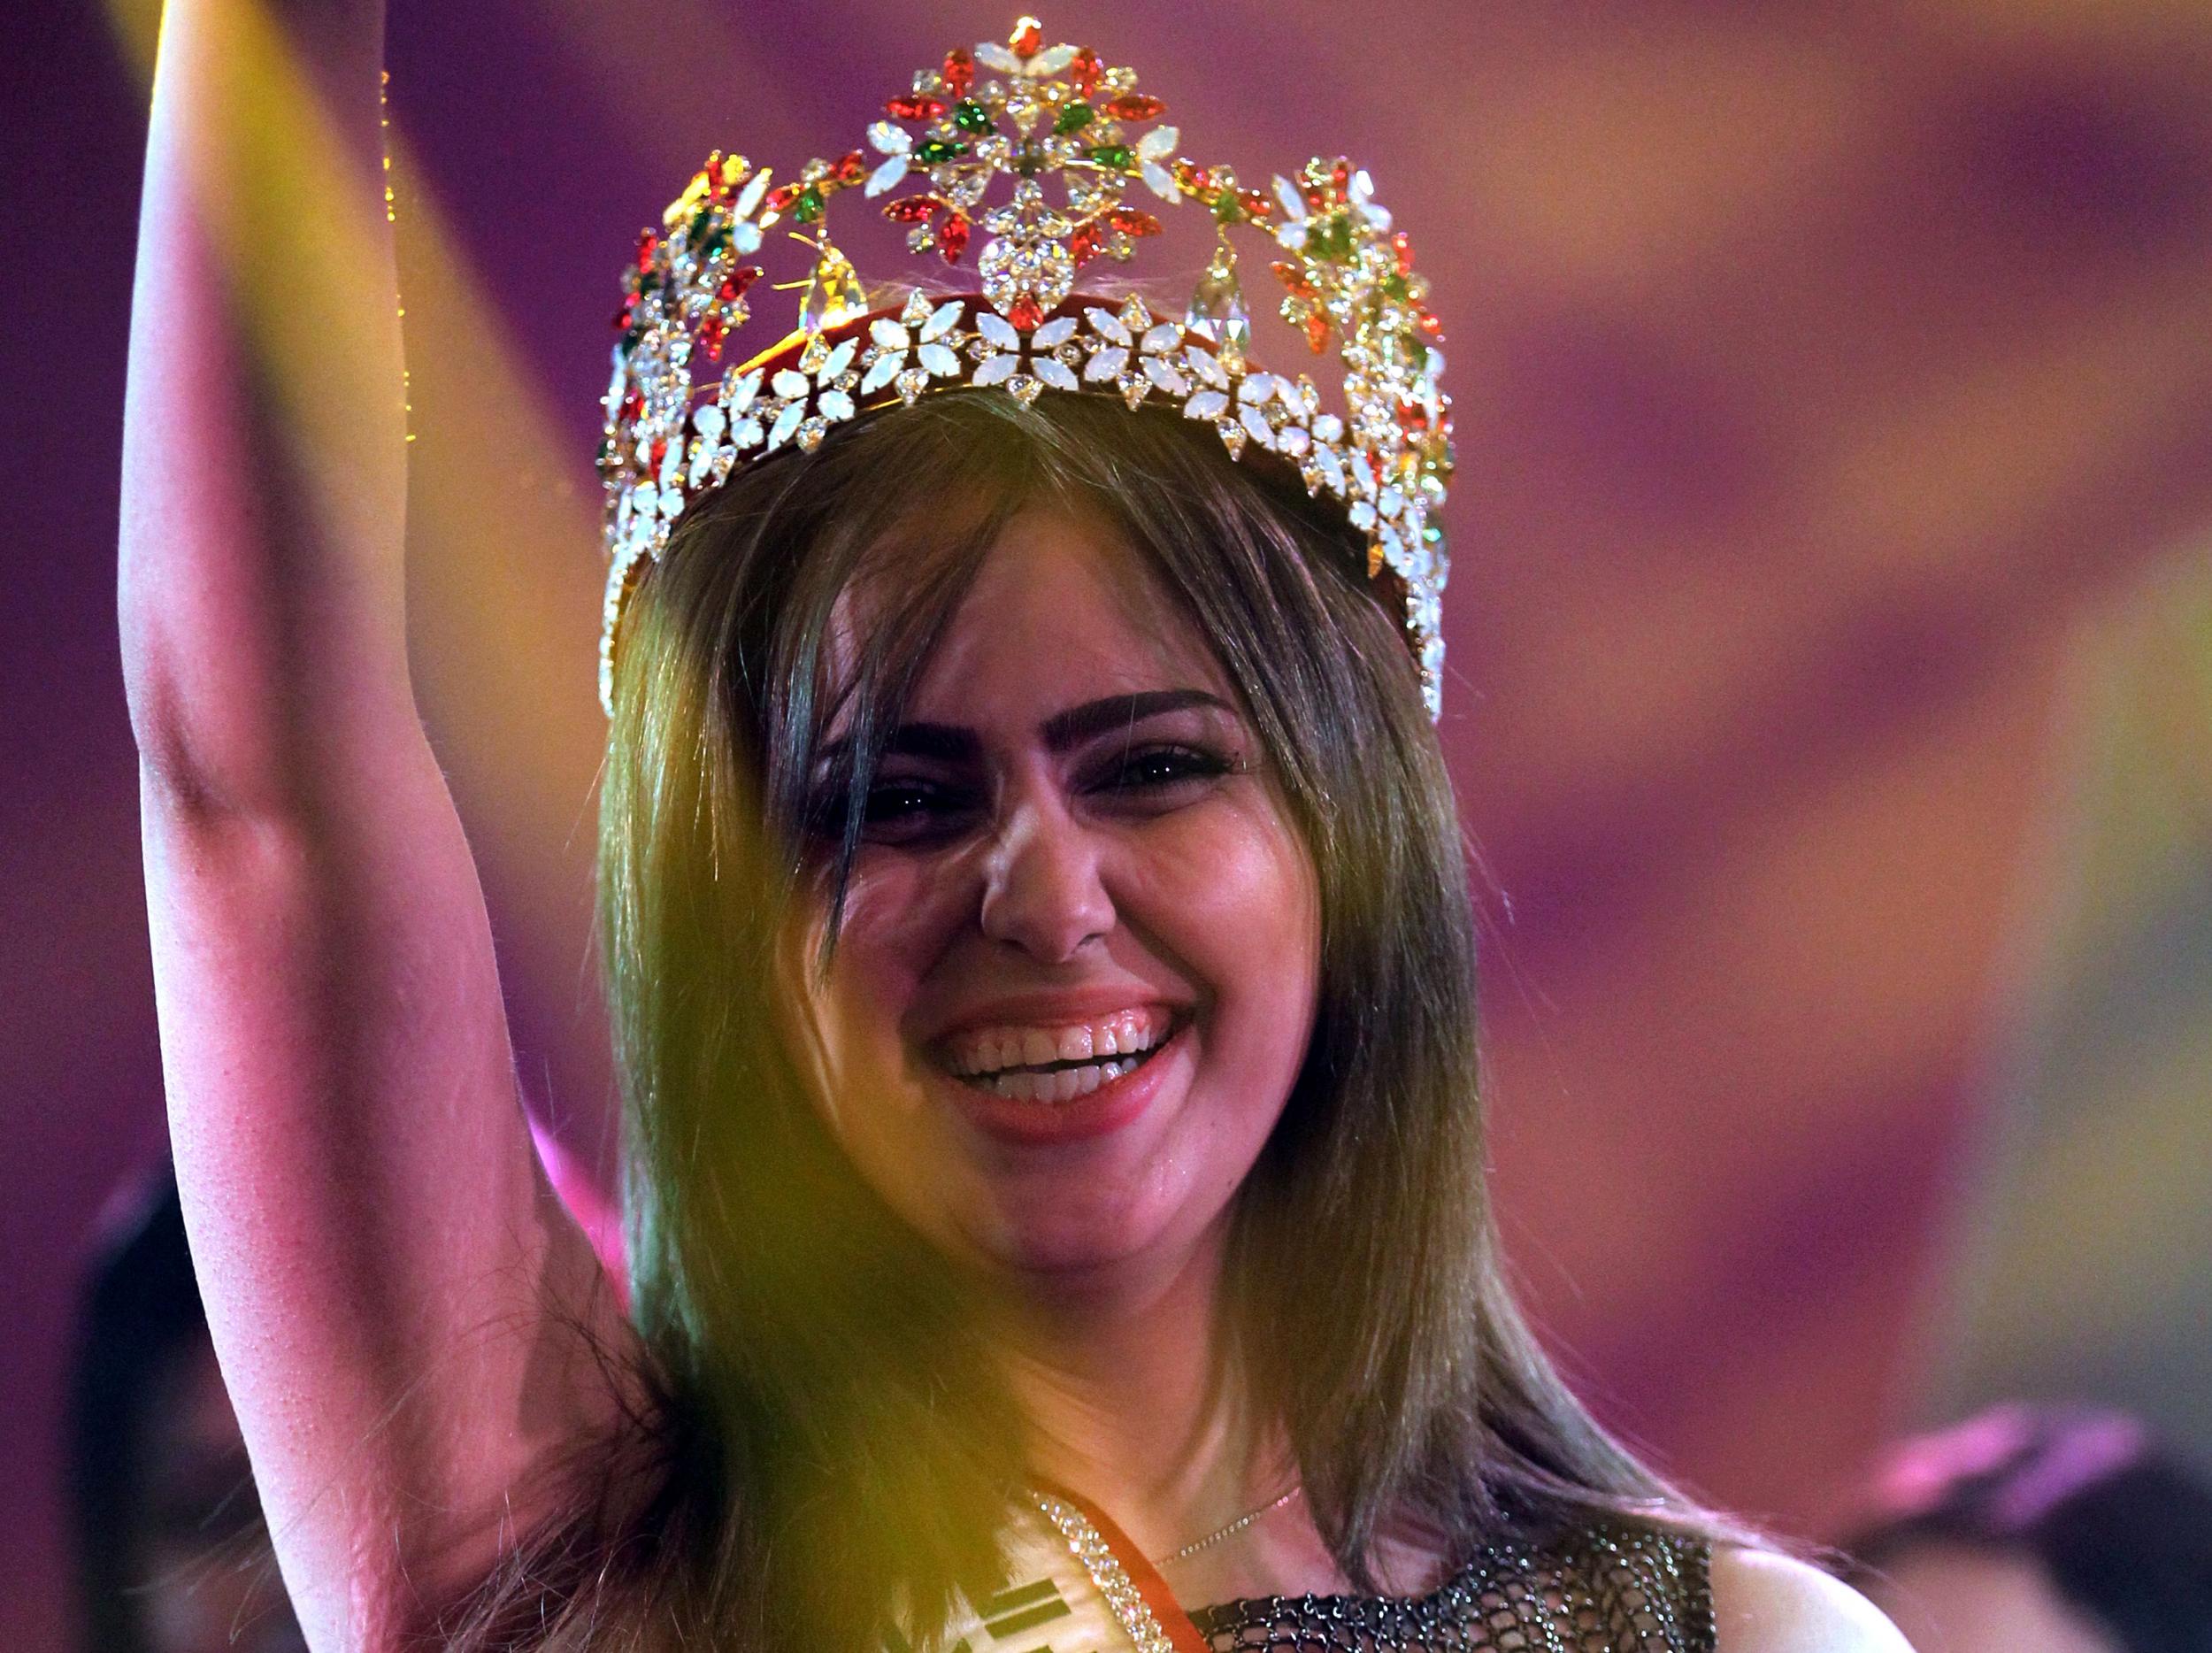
x: 1062, y: 610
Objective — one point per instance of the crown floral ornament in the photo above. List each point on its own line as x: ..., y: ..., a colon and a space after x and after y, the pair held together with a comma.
x: 1088, y: 160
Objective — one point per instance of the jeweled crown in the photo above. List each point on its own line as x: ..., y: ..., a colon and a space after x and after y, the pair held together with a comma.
x: 1031, y: 114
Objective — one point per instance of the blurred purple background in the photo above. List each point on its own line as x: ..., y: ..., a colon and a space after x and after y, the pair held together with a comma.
x: 1831, y: 634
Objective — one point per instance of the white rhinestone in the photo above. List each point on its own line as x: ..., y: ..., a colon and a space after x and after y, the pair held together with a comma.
x: 1164, y: 375
x: 1159, y: 143
x: 709, y: 421
x: 1291, y: 235
x: 810, y: 434
x: 1206, y: 365
x: 787, y: 423
x: 746, y: 433
x: 1024, y: 388
x: 1108, y: 325
x: 888, y: 138
x: 1206, y: 405
x: 789, y: 381
x: 940, y: 320
x: 1288, y: 193
x: 1161, y: 182
x: 1328, y: 428
x: 996, y: 329
x: 840, y: 359
x: 995, y: 371
x: 744, y: 237
x: 1257, y: 423
x: 1134, y: 316
x: 1050, y: 61
x: 880, y: 375
x: 889, y: 333
x: 1055, y: 373
x: 1291, y: 439
x: 939, y: 360
x: 738, y: 395
x: 993, y: 56
x: 1053, y: 334
x: 916, y: 310
x: 1105, y: 363
x: 1160, y: 340
x: 1135, y: 387
x: 1256, y: 388
x: 834, y: 405
x: 1362, y: 514
x: 748, y: 197
x: 910, y: 384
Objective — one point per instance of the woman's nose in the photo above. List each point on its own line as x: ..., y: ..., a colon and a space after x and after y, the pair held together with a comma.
x: 1042, y: 889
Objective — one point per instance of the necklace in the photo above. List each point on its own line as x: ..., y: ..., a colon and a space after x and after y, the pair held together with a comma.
x: 1230, y: 1531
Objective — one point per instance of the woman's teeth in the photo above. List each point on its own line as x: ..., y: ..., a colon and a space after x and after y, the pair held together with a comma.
x: 1058, y: 1064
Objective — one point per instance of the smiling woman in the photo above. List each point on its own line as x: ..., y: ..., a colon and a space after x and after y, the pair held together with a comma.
x: 1036, y: 929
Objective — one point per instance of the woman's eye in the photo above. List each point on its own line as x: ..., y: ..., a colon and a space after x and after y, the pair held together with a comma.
x: 1159, y: 769
x: 912, y: 809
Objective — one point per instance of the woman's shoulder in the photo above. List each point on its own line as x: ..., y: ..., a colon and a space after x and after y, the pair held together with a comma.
x: 1766, y: 1602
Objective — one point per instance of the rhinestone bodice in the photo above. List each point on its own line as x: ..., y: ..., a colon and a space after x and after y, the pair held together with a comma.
x: 1598, y: 1590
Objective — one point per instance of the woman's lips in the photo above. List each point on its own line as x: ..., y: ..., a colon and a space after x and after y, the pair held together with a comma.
x: 1037, y: 1104
x: 1082, y: 1051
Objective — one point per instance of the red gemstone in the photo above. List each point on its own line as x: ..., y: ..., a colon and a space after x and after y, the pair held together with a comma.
x: 851, y: 167
x: 1432, y: 325
x: 916, y: 106
x: 1135, y: 106
x: 736, y: 281
x: 782, y: 197
x: 1404, y: 248
x: 1130, y: 221
x: 1293, y: 277
x: 1026, y: 312
x: 660, y: 451
x: 952, y: 238
x: 1340, y: 174
x: 1084, y: 70
x: 1256, y: 205
x: 1086, y: 244
x: 1317, y: 332
x: 1196, y: 180
x: 1026, y: 41
x: 646, y: 243
x: 633, y: 405
x: 622, y: 316
x: 912, y: 209
x: 959, y: 71
x: 710, y: 335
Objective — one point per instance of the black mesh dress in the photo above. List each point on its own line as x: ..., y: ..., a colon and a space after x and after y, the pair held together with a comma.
x: 1605, y: 1590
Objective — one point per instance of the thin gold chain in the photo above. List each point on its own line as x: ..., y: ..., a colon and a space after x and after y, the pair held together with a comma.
x: 1230, y: 1531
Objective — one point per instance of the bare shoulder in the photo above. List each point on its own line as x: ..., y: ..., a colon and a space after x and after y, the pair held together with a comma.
x: 1768, y: 1603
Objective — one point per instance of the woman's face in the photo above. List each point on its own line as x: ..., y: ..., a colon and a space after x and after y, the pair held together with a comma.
x: 1077, y: 970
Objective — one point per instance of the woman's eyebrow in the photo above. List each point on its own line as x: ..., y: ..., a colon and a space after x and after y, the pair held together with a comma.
x: 1079, y: 724
x: 951, y: 744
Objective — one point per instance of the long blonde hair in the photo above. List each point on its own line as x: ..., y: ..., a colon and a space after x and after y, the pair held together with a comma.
x: 828, y: 1438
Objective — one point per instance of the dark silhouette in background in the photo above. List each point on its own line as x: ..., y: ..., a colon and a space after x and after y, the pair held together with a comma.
x: 170, y: 1553
x: 2040, y: 1530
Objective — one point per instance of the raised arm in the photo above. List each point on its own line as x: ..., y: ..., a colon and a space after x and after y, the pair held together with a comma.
x: 403, y: 1313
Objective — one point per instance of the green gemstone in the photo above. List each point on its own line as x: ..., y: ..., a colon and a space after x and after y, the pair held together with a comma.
x: 932, y: 151
x: 1331, y: 239
x: 1119, y: 156
x: 970, y: 116
x: 1073, y: 118
x: 808, y: 207
x: 1394, y: 287
x: 1225, y: 207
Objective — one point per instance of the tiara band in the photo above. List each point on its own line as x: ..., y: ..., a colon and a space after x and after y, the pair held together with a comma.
x: 1028, y: 112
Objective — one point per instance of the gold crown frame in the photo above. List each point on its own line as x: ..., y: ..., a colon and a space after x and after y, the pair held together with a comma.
x: 1028, y: 112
